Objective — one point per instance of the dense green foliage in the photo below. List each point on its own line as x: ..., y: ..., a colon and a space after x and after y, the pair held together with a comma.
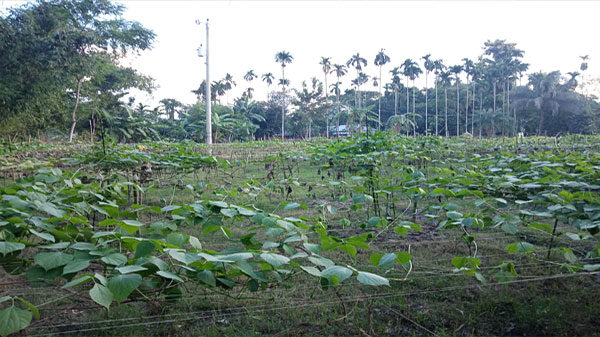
x: 90, y: 230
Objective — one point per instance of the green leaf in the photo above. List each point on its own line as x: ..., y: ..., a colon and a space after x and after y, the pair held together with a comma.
x: 177, y: 239
x: 591, y: 267
x: 541, y: 226
x: 374, y: 221
x: 195, y: 243
x: 101, y: 295
x: 340, y: 272
x: 220, y: 204
x: 454, y: 215
x: 130, y: 269
x: 374, y: 258
x: 387, y: 261
x: 52, y: 260
x: 311, y: 270
x: 291, y: 205
x: 77, y: 281
x: 229, y: 212
x: 9, y: 247
x: 49, y: 208
x: 510, y: 228
x: 404, y: 257
x: 275, y: 260
x: 207, y: 277
x: 75, y: 266
x: 520, y: 247
x: 401, y: 230
x: 144, y: 248
x: 131, y: 226
x: 372, y: 279
x: 42, y: 235
x: 13, y: 319
x: 169, y: 275
x: 122, y: 285
x: 170, y: 208
x: 114, y: 259
x: 359, y: 198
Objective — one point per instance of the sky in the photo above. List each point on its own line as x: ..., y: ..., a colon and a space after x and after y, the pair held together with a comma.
x: 246, y: 35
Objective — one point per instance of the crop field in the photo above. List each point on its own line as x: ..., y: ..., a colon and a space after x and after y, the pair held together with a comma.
x: 373, y: 235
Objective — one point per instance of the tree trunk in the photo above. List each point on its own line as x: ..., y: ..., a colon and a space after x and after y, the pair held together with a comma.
x: 379, y: 110
x: 74, y: 112
x: 426, y: 101
x: 467, y: 107
x: 283, y: 105
x: 473, y: 112
x: 436, y: 105
x: 407, y: 99
x: 395, y: 101
x: 541, y: 123
x: 414, y: 114
x: 480, y: 111
x: 457, y: 108
x: 494, y: 112
x: 446, y: 101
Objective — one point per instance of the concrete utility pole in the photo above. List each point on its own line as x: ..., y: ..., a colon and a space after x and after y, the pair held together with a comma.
x: 207, y: 89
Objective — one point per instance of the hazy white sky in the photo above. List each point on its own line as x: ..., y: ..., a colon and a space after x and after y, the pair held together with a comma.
x: 246, y: 35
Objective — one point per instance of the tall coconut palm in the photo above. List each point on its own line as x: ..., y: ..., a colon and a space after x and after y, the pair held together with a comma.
x: 468, y: 67
x: 456, y: 70
x: 445, y: 81
x: 339, y: 70
x: 406, y: 65
x: 412, y: 71
x: 438, y: 68
x: 229, y: 84
x: 380, y: 60
x: 326, y: 66
x: 583, y: 67
x: 250, y: 75
x: 429, y: 65
x: 283, y: 58
x: 359, y: 81
x: 358, y: 63
x: 268, y: 78
x: 396, y: 85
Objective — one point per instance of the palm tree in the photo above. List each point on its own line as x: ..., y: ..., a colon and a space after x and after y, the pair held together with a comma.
x: 169, y: 106
x: 469, y: 68
x: 583, y: 67
x: 438, y: 68
x: 219, y: 89
x: 357, y: 62
x: 380, y: 60
x: 456, y: 70
x: 229, y: 84
x: 339, y: 70
x: 445, y: 80
x: 429, y: 65
x: 268, y: 78
x: 396, y: 85
x: 326, y: 66
x: 545, y: 88
x: 250, y: 75
x: 412, y: 71
x: 283, y: 57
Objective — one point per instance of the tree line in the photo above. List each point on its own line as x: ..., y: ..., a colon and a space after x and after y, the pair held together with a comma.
x: 60, y: 73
